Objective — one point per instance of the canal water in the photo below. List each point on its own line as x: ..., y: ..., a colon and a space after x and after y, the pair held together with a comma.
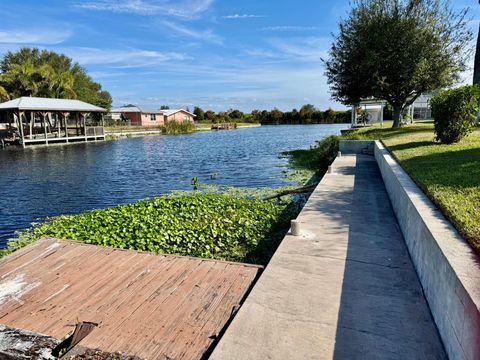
x: 45, y: 181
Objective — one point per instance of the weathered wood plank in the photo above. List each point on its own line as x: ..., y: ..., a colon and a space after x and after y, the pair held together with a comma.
x: 146, y: 305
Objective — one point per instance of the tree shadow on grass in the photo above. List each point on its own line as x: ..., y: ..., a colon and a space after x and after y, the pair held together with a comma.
x: 458, y: 168
x: 383, y: 133
x: 411, y: 145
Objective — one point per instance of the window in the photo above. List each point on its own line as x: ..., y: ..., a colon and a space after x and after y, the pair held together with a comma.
x: 153, y: 117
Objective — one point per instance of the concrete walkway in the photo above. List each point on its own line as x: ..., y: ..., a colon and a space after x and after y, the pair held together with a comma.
x: 346, y: 289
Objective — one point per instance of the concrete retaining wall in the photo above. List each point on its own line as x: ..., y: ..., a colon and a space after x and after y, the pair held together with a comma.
x: 448, y: 268
x: 353, y: 146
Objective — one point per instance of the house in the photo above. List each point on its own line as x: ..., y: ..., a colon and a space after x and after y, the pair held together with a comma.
x: 136, y: 116
x: 373, y: 110
x: 178, y: 115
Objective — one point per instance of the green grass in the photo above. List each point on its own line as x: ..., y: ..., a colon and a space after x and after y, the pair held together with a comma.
x: 317, y: 158
x: 448, y: 174
x: 203, y: 224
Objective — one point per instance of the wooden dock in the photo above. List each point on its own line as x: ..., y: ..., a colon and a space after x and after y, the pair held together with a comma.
x: 147, y: 305
x: 224, y: 126
x: 31, y: 120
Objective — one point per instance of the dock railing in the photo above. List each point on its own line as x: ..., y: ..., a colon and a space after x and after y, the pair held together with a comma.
x: 95, y: 131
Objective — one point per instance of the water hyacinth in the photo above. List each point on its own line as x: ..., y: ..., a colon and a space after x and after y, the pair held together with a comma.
x: 202, y: 224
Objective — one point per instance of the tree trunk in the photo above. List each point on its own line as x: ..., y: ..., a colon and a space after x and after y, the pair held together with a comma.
x: 397, y: 116
x: 476, y: 67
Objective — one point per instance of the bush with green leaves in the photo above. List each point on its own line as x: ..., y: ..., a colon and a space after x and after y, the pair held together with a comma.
x: 199, y: 224
x: 454, y: 112
x: 173, y: 127
x: 318, y: 157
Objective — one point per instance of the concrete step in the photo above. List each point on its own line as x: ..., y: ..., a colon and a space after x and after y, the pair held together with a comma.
x: 369, y: 150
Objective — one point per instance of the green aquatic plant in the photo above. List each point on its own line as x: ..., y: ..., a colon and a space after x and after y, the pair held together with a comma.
x: 207, y: 225
x: 317, y: 158
x: 174, y: 128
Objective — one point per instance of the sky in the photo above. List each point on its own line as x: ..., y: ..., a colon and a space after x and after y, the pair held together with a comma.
x: 215, y: 54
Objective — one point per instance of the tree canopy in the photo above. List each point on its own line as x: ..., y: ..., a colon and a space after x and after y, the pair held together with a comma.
x: 308, y: 114
x: 396, y: 50
x: 43, y: 73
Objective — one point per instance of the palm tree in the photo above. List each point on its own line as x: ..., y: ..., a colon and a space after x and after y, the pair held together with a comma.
x: 22, y: 79
x: 3, y: 94
x: 46, y: 77
x: 54, y: 85
x: 64, y: 85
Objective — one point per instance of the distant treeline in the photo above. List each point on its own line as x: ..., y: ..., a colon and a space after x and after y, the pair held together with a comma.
x: 307, y: 114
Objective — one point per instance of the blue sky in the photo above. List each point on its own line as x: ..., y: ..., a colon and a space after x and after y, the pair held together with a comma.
x: 211, y: 53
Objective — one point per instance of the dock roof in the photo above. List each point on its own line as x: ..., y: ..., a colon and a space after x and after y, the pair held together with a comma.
x: 48, y: 104
x: 147, y: 305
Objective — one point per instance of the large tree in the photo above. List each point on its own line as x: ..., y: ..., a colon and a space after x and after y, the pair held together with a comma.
x: 31, y: 72
x: 395, y: 50
x: 198, y: 111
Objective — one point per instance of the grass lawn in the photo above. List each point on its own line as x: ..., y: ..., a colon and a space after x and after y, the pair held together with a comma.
x: 448, y: 174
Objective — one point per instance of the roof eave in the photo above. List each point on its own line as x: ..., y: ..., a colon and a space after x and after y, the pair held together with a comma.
x: 100, y: 110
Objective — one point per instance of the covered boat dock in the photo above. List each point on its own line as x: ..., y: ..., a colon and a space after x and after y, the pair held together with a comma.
x: 32, y: 120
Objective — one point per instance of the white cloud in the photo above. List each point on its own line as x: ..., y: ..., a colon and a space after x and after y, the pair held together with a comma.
x: 302, y: 48
x: 34, y: 36
x: 292, y: 49
x: 261, y: 53
x: 184, y: 9
x: 121, y: 58
x: 205, y: 35
x: 242, y: 16
x: 243, y: 85
x: 289, y: 28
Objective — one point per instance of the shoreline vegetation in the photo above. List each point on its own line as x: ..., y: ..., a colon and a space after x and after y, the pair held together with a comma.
x: 308, y: 114
x: 113, y: 132
x: 215, y: 222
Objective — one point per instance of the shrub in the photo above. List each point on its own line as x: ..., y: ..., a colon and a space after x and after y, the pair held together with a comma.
x: 173, y: 127
x: 454, y: 112
x: 318, y: 157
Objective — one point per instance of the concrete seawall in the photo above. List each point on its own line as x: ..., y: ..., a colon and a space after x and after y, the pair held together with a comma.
x: 448, y: 268
x: 344, y: 289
